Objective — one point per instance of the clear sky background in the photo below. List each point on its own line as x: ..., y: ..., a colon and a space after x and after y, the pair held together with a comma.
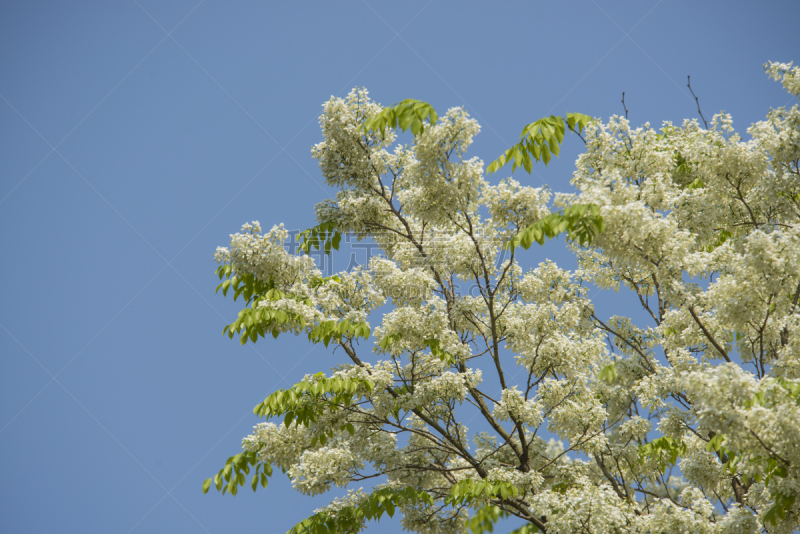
x: 135, y: 136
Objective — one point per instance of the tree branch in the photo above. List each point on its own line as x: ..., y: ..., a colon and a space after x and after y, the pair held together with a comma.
x: 708, y: 335
x: 697, y: 100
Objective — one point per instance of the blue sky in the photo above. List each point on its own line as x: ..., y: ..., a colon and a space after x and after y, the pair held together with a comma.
x: 137, y: 135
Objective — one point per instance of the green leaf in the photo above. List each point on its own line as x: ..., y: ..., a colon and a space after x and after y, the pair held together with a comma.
x: 581, y: 222
x: 235, y: 470
x: 470, y: 491
x: 324, y: 237
x: 407, y: 114
x: 351, y: 519
x: 540, y: 140
x: 389, y: 340
x: 771, y: 516
x: 696, y: 184
x: 715, y: 443
x: 484, y: 519
x: 608, y: 374
x: 665, y: 448
x: 436, y: 350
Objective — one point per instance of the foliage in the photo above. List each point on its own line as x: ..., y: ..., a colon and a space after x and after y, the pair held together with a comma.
x: 322, y: 236
x: 408, y: 114
x: 665, y: 449
x: 235, y: 472
x: 351, y: 518
x: 260, y: 319
x: 484, y: 519
x: 539, y: 140
x: 305, y: 402
x: 582, y: 222
x: 433, y: 344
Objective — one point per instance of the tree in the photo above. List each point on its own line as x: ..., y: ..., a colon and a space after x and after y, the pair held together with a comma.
x: 683, y: 418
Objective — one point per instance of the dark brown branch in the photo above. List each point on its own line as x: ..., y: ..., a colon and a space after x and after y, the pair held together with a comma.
x: 709, y: 336
x: 608, y: 475
x: 624, y: 106
x: 624, y: 340
x: 697, y: 100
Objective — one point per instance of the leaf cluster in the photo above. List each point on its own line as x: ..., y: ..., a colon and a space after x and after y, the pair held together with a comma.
x: 246, y: 285
x: 351, y: 519
x: 484, y: 519
x: 305, y: 402
x: 331, y: 329
x: 581, y: 223
x: 470, y: 491
x: 407, y: 114
x: 608, y: 374
x: 436, y: 349
x: 255, y: 320
x: 722, y: 236
x: 432, y: 343
x: 767, y: 398
x: 666, y: 449
x: 684, y: 169
x: 539, y: 140
x: 235, y: 472
x: 258, y: 320
x: 323, y: 236
x: 782, y: 503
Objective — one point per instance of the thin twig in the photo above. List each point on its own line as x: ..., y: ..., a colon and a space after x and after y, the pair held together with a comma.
x: 623, y: 105
x: 697, y: 100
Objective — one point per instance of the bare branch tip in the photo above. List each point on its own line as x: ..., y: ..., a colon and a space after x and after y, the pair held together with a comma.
x: 696, y: 99
x: 624, y: 106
